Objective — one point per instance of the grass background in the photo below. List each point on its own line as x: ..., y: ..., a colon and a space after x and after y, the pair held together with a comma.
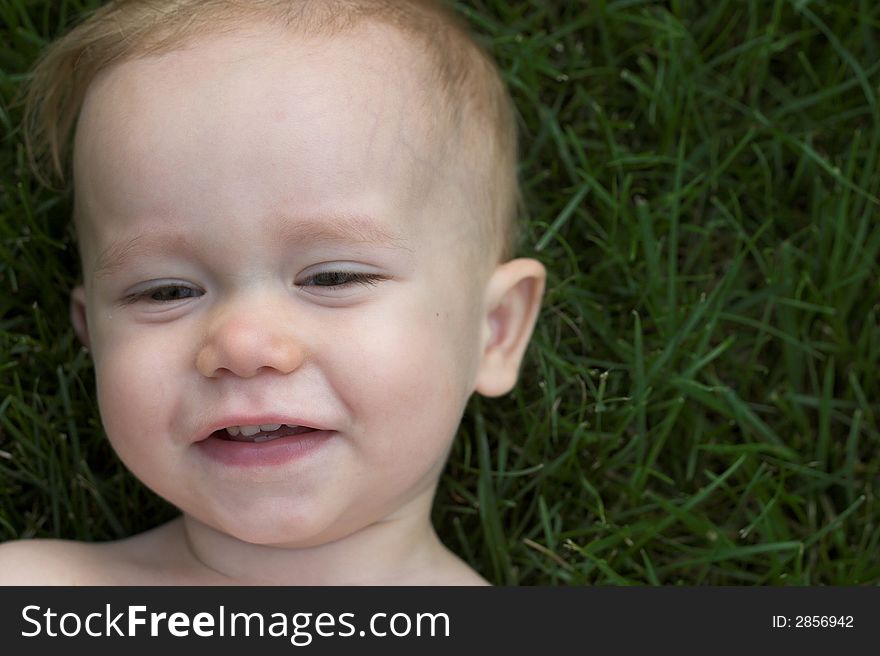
x: 700, y: 402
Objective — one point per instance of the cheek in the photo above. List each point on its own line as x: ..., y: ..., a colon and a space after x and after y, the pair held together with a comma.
x: 136, y: 403
x: 410, y: 380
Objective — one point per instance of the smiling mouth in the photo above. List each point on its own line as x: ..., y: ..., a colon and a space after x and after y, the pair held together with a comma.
x: 285, y: 430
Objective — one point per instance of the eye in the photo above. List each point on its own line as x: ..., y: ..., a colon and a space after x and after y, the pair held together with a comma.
x: 163, y: 294
x: 341, y: 279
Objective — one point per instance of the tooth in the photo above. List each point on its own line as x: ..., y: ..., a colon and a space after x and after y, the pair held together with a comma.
x: 291, y: 425
x: 233, y: 430
x: 248, y: 431
x: 269, y: 427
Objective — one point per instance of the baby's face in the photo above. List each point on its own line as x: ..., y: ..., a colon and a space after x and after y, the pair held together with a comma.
x: 262, y: 244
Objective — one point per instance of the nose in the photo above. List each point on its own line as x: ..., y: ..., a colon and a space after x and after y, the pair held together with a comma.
x: 244, y: 342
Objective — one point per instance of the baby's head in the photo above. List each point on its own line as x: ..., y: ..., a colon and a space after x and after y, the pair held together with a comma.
x: 290, y: 213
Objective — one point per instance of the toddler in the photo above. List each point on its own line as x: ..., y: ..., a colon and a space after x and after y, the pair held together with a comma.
x: 296, y: 222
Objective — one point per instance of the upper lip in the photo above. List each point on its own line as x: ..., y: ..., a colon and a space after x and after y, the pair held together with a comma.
x: 257, y: 420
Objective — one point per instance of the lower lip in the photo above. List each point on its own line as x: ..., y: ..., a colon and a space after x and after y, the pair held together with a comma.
x: 280, y: 451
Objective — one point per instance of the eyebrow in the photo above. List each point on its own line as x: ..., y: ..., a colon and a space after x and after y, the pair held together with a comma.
x: 352, y: 228
x: 346, y: 228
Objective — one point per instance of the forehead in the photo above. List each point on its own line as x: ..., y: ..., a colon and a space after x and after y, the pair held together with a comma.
x: 258, y: 122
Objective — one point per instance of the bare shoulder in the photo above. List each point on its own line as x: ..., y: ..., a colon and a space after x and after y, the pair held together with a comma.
x: 450, y: 570
x: 155, y: 557
x: 46, y: 562
x: 462, y: 576
x: 462, y: 579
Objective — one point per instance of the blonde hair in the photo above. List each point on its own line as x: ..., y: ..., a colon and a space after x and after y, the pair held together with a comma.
x: 478, y: 107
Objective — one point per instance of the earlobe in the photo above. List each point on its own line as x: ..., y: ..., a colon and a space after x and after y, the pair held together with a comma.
x: 514, y: 294
x: 78, y: 315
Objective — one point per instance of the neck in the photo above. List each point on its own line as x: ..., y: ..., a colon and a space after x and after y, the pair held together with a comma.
x: 398, y: 550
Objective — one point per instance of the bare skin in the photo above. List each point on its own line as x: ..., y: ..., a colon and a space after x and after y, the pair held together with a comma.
x: 165, y: 556
x: 385, y: 368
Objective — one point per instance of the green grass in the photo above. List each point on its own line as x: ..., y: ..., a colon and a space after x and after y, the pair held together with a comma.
x: 700, y: 401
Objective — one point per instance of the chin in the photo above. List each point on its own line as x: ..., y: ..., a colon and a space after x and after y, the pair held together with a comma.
x: 290, y: 532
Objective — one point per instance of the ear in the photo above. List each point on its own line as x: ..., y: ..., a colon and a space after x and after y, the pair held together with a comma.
x: 513, y: 295
x: 78, y: 315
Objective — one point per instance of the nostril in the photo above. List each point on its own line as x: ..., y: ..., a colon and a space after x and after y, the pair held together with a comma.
x: 246, y: 353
